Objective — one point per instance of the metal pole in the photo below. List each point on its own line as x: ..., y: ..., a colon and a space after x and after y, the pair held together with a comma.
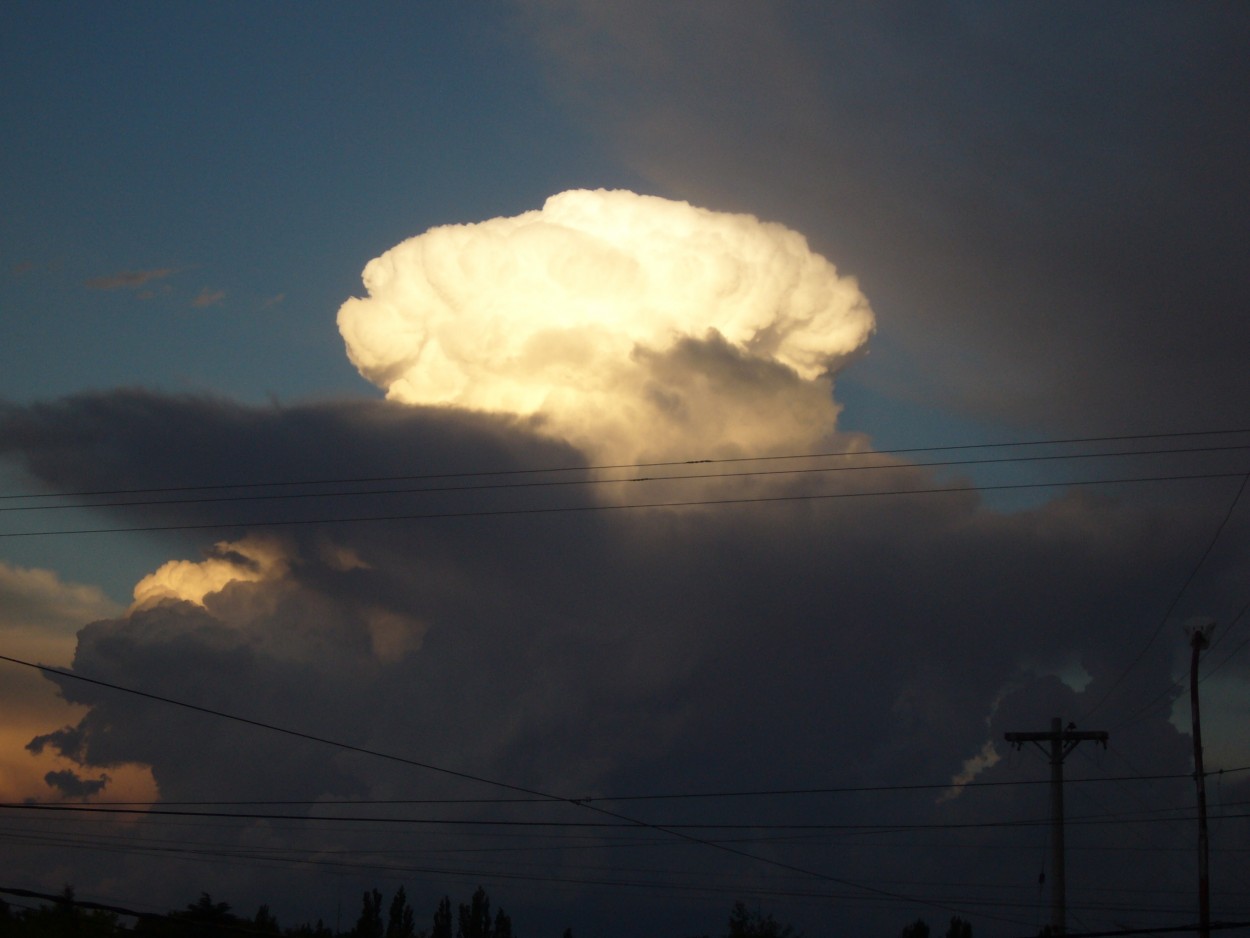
x: 1198, y: 639
x: 1058, y: 900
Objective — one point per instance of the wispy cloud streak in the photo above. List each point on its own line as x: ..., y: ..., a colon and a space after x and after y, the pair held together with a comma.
x: 129, y: 279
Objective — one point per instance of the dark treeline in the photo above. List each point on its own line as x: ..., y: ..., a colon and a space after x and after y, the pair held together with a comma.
x: 64, y: 916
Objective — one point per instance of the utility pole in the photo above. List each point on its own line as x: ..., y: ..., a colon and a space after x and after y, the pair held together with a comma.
x: 1062, y: 741
x: 1199, y: 638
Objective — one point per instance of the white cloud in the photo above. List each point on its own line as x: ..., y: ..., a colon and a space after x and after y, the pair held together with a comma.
x: 40, y: 614
x: 248, y: 560
x: 574, y: 313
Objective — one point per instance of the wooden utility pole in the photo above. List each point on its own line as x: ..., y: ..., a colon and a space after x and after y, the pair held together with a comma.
x: 1199, y: 638
x: 1062, y: 741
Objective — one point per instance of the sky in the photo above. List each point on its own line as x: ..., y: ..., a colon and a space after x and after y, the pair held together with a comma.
x: 631, y: 457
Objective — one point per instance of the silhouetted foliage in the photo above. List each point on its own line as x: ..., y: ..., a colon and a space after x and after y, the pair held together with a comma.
x: 473, y: 920
x: 442, y: 920
x: 203, y: 918
x: 400, y: 921
x: 206, y: 910
x: 369, y: 925
x: 64, y: 919
x: 320, y: 930
x: 917, y: 929
x: 958, y: 928
x: 265, y: 921
x: 743, y: 923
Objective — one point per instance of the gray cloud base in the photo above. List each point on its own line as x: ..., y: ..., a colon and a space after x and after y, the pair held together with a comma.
x: 791, y: 644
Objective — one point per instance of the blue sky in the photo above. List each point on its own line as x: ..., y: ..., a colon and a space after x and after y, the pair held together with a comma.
x: 1045, y: 209
x: 239, y: 150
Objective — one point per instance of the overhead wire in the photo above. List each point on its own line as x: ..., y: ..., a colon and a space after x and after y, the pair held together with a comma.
x: 587, y: 802
x: 234, y: 854
x: 1178, y: 685
x: 724, y: 460
x: 571, y: 509
x: 669, y: 796
x: 503, y: 480
x: 602, y: 876
x: 1179, y: 594
x: 621, y: 824
x: 678, y: 833
x: 598, y: 875
x: 606, y: 481
x: 1221, y: 636
x: 612, y: 876
x: 1137, y: 832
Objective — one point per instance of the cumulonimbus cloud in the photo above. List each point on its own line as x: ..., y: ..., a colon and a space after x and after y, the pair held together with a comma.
x: 627, y: 324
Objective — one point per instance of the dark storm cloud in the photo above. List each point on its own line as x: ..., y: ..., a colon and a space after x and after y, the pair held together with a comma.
x: 788, y: 644
x: 1046, y: 206
x: 134, y: 439
x: 72, y: 785
x: 68, y: 742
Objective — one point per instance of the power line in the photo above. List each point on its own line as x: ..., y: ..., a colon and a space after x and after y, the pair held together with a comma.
x: 569, y: 509
x: 1163, y: 930
x: 1245, y: 478
x: 1177, y: 685
x: 426, y: 490
x: 623, y: 823
x: 241, y: 926
x: 668, y: 881
x: 668, y: 796
x: 348, y: 480
x: 680, y: 834
x: 587, y: 801
x: 284, y: 730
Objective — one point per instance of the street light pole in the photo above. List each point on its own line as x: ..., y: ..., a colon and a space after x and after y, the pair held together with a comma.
x: 1199, y: 638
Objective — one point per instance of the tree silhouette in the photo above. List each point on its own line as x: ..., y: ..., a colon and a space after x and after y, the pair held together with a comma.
x: 473, y: 920
x: 203, y: 918
x: 743, y: 923
x: 400, y: 922
x: 959, y: 928
x: 64, y: 919
x: 320, y: 930
x: 206, y: 918
x: 369, y: 925
x: 917, y: 929
x: 442, y: 920
x: 265, y: 921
